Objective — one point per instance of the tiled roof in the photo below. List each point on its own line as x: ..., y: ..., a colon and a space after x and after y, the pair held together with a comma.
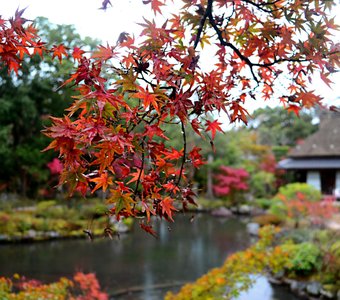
x: 309, y: 163
x: 323, y: 143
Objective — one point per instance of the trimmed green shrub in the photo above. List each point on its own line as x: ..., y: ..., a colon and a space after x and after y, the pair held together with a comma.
x: 263, y: 203
x: 304, y: 258
x: 262, y: 184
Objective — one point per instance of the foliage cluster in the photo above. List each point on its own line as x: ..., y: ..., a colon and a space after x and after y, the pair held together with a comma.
x: 230, y: 183
x: 278, y: 129
x: 273, y: 254
x: 112, y: 137
x: 81, y: 287
x: 290, y: 191
x: 299, y: 201
x: 52, y: 220
x: 239, y: 149
x: 304, y: 258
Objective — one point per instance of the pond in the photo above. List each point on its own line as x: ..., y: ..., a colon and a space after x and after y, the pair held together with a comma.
x: 138, y: 262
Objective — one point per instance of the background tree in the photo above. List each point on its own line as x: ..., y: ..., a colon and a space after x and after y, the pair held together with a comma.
x: 110, y: 137
x: 230, y: 183
x: 276, y: 127
x: 26, y: 102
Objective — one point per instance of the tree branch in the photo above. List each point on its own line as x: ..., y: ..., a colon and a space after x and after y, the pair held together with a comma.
x: 224, y: 42
x: 204, y: 18
x: 261, y: 6
x: 140, y: 173
x: 184, y: 154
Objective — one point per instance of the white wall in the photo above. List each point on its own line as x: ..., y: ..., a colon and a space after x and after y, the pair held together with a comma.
x: 314, y: 179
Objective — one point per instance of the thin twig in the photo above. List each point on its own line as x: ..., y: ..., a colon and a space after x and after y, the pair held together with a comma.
x: 184, y: 154
x: 141, y: 170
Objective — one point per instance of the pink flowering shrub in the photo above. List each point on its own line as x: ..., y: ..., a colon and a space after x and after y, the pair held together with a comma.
x: 230, y: 183
x: 55, y: 166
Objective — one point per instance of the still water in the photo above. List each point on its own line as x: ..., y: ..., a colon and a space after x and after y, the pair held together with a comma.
x: 137, y: 261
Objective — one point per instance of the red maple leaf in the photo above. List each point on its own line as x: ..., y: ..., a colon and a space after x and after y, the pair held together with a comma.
x: 174, y: 154
x: 103, y: 53
x: 154, y: 129
x: 155, y: 5
x: 294, y: 108
x: 77, y: 53
x: 213, y: 126
x: 195, y: 124
x: 59, y: 51
x: 167, y: 208
x: 196, y: 157
x: 148, y: 229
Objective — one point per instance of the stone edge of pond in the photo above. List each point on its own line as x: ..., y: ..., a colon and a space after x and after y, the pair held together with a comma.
x: 312, y: 290
x: 39, y: 236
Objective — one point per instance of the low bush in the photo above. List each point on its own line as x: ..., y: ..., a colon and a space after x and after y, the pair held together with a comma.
x: 296, y: 236
x: 301, y: 204
x: 304, y: 259
x: 271, y: 254
x: 50, y: 219
x: 268, y: 219
x: 291, y: 190
x: 263, y: 203
x: 81, y: 287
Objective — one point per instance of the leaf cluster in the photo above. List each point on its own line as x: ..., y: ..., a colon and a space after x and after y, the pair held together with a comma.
x: 112, y: 137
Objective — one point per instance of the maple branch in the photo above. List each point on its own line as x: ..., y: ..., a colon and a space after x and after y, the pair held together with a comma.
x: 154, y: 85
x: 141, y: 170
x: 276, y: 61
x: 250, y: 64
x: 202, y: 22
x: 184, y: 154
x: 261, y: 5
x: 142, y: 118
x: 230, y: 45
x: 208, y: 13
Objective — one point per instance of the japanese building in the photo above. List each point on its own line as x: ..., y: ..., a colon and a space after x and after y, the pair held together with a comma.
x: 316, y: 161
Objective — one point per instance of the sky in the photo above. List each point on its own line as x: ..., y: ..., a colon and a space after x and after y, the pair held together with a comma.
x: 124, y: 15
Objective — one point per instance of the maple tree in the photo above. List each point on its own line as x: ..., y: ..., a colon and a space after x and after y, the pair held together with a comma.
x: 112, y: 136
x: 230, y: 182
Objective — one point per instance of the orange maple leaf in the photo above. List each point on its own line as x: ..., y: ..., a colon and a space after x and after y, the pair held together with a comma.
x: 59, y: 51
x: 147, y: 98
x: 103, y: 181
x: 103, y: 53
x: 167, y: 207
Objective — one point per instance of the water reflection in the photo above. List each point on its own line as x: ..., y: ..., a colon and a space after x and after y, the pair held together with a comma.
x: 182, y: 253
